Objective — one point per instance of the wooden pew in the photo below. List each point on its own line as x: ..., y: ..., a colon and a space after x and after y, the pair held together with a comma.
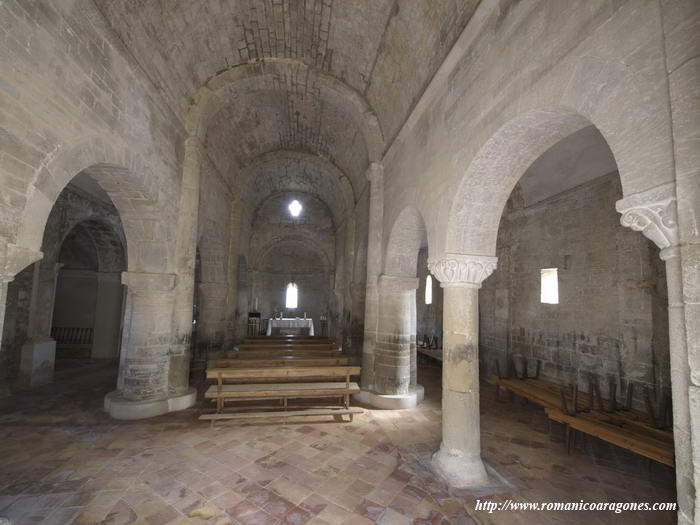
x: 271, y: 340
x: 254, y: 361
x: 629, y: 429
x: 283, y: 346
x: 279, y: 353
x: 631, y: 437
x: 221, y: 392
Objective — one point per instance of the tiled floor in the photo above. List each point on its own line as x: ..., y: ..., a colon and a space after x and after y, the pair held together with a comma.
x: 64, y: 461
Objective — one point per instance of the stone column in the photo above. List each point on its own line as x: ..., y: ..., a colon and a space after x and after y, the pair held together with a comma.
x: 392, y: 360
x: 654, y: 214
x: 232, y: 290
x: 38, y: 354
x: 185, y: 257
x: 13, y: 259
x: 414, y: 348
x: 4, y: 379
x: 143, y: 387
x: 108, y: 310
x: 46, y: 296
x: 375, y: 175
x: 682, y: 55
x: 212, y: 316
x: 459, y: 459
x: 392, y: 352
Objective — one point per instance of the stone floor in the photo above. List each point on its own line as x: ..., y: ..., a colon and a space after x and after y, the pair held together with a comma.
x: 64, y: 461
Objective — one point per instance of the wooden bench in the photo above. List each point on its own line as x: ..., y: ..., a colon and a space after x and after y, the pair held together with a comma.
x: 629, y: 429
x: 221, y: 392
x: 283, y: 346
x: 433, y: 353
x: 281, y: 354
x: 629, y: 436
x: 266, y: 340
x: 292, y: 360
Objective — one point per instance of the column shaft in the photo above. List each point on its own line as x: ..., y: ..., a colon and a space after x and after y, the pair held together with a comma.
x: 459, y: 457
x: 392, y: 360
x: 144, y: 372
x: 108, y: 311
x: 680, y: 382
x: 374, y: 264
x: 212, y: 315
x: 186, y: 250
x: 414, y: 348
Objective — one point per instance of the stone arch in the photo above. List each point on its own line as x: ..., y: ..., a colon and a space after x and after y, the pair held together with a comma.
x: 408, y: 235
x: 209, y: 98
x: 259, y: 256
x: 111, y: 253
x: 475, y: 213
x: 125, y: 178
x: 322, y: 178
x: 614, y: 100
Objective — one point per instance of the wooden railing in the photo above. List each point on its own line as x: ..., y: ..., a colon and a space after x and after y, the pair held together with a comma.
x: 67, y: 335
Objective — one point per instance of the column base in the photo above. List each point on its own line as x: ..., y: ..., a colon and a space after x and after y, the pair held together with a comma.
x: 120, y: 408
x: 392, y: 402
x: 458, y: 470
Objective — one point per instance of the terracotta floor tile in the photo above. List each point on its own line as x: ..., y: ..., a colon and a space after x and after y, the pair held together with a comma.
x: 63, y: 460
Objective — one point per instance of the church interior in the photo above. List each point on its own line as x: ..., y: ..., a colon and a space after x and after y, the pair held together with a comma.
x: 324, y: 262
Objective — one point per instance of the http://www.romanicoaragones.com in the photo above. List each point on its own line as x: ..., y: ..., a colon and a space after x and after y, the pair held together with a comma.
x: 616, y: 507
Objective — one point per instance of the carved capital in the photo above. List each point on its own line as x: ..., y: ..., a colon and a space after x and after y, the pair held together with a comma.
x: 455, y: 269
x: 653, y: 213
x: 375, y: 172
x: 395, y: 284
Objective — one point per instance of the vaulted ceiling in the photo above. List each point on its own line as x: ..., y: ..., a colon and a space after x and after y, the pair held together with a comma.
x: 300, y: 75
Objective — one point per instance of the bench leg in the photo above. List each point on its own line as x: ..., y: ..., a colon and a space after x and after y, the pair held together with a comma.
x: 498, y: 393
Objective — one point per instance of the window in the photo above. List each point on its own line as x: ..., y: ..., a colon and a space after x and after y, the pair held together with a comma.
x: 292, y: 296
x: 295, y: 208
x: 429, y: 290
x: 549, y: 286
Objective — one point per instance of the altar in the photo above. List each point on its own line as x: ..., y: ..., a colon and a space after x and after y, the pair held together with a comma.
x: 290, y: 326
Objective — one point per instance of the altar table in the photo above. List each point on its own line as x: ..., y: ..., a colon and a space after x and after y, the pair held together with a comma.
x: 290, y: 322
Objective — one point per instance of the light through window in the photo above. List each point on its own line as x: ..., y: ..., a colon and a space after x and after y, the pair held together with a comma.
x: 429, y: 290
x: 295, y: 208
x: 292, y: 296
x: 549, y: 286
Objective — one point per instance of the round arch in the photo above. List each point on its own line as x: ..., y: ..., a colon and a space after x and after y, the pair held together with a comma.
x: 124, y: 177
x: 211, y: 97
x: 306, y: 241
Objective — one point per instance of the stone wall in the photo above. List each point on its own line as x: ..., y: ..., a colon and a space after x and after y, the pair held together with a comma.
x: 612, y: 317
x: 73, y: 99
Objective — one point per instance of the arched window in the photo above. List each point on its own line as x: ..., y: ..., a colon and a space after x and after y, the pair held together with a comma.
x: 292, y: 295
x: 429, y: 290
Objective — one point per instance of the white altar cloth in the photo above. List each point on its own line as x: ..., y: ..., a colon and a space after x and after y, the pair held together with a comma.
x: 290, y: 322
